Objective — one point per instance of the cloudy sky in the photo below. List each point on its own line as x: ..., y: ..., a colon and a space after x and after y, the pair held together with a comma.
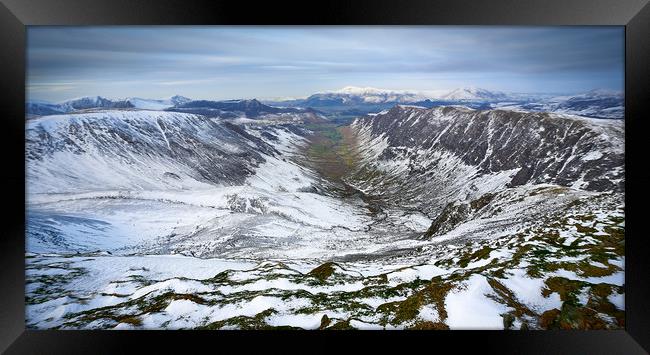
x: 279, y: 62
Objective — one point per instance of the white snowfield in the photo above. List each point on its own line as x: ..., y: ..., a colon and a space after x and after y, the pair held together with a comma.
x: 152, y: 219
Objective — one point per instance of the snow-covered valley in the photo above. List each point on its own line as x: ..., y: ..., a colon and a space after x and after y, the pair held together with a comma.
x: 410, y: 218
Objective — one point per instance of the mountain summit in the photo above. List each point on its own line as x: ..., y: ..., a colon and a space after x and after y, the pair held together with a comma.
x: 474, y: 93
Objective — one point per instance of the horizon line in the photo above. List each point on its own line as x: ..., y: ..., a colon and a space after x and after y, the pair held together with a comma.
x: 335, y: 91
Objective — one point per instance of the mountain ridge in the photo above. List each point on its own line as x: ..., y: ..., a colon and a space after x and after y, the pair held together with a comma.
x: 353, y: 101
x: 492, y: 141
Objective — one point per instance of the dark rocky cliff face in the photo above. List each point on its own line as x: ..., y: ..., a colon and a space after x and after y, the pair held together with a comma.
x: 544, y: 148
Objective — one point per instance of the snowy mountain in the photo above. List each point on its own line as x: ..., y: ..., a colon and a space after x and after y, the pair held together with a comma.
x: 177, y: 100
x: 354, y: 101
x: 152, y: 104
x: 368, y: 95
x: 410, y: 218
x: 594, y: 103
x: 448, y: 143
x: 116, y: 150
x: 89, y: 102
x: 350, y: 102
x: 473, y: 94
x: 374, y: 95
x: 460, y: 157
x: 228, y: 109
x: 405, y: 157
x: 41, y: 108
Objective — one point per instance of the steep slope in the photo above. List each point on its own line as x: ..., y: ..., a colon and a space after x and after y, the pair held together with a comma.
x: 114, y: 150
x: 536, y: 147
x: 503, y: 168
x: 168, y: 182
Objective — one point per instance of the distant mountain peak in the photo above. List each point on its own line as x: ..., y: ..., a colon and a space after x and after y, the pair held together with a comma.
x: 89, y: 98
x: 603, y: 92
x: 179, y: 98
x: 371, y: 94
x: 473, y: 93
x: 356, y: 90
x: 87, y: 102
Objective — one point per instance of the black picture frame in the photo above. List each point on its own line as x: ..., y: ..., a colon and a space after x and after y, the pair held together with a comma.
x: 16, y: 14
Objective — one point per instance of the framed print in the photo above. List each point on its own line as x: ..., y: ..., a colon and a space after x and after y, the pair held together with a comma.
x: 192, y: 172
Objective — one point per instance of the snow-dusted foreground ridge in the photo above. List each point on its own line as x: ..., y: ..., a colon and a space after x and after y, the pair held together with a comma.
x: 527, y: 280
x: 411, y: 218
